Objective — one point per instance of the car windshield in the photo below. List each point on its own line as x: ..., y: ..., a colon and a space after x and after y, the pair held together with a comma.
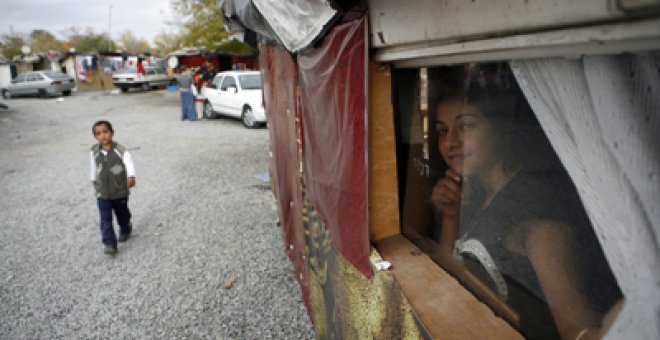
x: 56, y: 75
x: 129, y: 70
x: 250, y: 81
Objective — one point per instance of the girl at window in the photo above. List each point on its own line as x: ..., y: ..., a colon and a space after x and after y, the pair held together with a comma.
x: 512, y: 215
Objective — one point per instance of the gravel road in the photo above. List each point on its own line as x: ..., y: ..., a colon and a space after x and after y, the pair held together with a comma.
x: 199, y: 214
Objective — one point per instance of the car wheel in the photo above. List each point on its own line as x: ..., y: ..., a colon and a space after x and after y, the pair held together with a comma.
x: 6, y: 94
x: 124, y: 89
x: 145, y: 87
x: 43, y: 93
x: 208, y: 110
x: 66, y: 93
x: 249, y: 121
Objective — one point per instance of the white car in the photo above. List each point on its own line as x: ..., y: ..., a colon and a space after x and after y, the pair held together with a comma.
x: 152, y: 78
x: 236, y: 94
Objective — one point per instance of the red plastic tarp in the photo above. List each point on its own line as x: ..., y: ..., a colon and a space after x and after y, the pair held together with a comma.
x: 333, y: 101
x: 279, y: 89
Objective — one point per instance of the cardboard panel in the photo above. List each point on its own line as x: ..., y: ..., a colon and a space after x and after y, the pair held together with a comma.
x: 383, y: 186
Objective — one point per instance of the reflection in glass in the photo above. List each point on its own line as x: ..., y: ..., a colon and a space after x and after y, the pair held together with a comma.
x: 504, y: 205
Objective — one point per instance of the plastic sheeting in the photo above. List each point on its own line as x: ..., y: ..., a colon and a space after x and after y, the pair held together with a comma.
x: 279, y: 90
x: 333, y: 101
x: 273, y: 19
x: 310, y: 18
x: 248, y: 16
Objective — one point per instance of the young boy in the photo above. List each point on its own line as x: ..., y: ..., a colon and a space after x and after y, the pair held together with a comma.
x: 112, y: 173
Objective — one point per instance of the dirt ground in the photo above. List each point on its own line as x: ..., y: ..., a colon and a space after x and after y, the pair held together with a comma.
x: 200, y: 217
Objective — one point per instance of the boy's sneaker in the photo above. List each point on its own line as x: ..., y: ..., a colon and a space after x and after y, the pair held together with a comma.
x: 109, y: 249
x: 123, y: 238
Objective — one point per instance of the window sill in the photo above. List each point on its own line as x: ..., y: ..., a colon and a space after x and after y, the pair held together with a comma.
x: 445, y: 308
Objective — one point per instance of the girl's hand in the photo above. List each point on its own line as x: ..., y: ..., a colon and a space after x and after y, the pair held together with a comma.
x: 446, y: 195
x: 131, y: 182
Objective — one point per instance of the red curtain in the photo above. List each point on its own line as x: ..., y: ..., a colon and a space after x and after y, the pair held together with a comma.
x: 279, y: 90
x: 333, y: 100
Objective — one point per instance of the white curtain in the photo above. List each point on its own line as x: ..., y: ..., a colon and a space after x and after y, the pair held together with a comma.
x: 602, y: 116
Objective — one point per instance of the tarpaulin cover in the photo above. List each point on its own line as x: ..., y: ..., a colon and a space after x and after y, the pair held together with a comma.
x: 333, y: 101
x: 294, y: 23
x: 279, y: 90
x: 248, y: 16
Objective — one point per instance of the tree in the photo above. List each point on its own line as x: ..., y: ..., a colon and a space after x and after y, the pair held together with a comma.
x: 202, y: 23
x: 43, y: 41
x: 235, y: 47
x: 164, y: 43
x: 130, y: 43
x: 74, y: 36
x: 87, y: 40
x: 96, y: 43
x: 12, y: 44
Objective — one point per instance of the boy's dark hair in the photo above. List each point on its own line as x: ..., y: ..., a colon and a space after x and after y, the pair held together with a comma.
x: 103, y: 122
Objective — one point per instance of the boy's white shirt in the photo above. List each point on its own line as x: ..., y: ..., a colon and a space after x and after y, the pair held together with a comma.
x: 128, y: 163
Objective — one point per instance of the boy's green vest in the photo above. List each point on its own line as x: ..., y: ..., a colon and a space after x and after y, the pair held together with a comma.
x: 110, y: 173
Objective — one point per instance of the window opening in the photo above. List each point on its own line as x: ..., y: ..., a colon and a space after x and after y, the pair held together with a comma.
x: 485, y: 195
x: 250, y: 81
x: 227, y: 82
x: 217, y: 81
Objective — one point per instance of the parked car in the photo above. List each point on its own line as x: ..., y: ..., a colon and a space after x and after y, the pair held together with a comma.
x: 153, y: 77
x: 236, y: 94
x: 41, y: 83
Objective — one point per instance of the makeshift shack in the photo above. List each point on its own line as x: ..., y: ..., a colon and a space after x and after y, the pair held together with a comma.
x: 366, y: 144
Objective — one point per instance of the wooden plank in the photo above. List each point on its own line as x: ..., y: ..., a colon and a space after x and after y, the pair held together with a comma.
x: 443, y: 305
x: 383, y: 188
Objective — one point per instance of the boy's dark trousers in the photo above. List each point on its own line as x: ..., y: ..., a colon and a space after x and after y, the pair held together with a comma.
x: 120, y: 206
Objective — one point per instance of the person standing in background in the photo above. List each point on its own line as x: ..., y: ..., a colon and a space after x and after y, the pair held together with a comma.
x: 209, y: 73
x: 186, y: 85
x: 140, y: 67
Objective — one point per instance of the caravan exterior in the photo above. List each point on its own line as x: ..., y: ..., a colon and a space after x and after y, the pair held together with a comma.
x: 501, y: 156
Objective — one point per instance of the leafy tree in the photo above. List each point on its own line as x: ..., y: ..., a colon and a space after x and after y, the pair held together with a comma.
x: 165, y: 43
x: 43, y: 41
x: 96, y: 43
x: 202, y: 23
x: 130, y: 43
x: 12, y: 44
x: 74, y: 36
x: 86, y: 40
x: 235, y: 47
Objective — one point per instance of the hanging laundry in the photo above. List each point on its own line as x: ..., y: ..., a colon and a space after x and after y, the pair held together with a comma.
x: 80, y: 68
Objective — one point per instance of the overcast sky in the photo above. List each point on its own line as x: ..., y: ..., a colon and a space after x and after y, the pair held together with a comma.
x: 144, y: 17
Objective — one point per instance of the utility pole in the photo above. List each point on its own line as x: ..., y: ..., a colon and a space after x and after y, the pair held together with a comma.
x: 110, y: 28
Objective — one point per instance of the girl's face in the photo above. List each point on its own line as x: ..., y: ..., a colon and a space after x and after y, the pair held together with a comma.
x: 466, y: 138
x: 103, y: 134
